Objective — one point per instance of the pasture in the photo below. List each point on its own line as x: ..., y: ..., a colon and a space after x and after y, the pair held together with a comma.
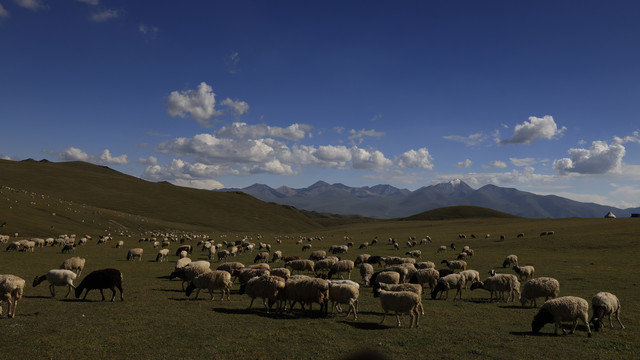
x: 157, y: 320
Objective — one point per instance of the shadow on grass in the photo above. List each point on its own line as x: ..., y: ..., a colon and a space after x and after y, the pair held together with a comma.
x: 365, y: 325
x: 37, y: 297
x: 163, y: 277
x: 168, y: 290
x: 515, y: 307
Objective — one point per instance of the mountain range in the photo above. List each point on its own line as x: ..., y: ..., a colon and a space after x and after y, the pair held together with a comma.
x: 386, y: 201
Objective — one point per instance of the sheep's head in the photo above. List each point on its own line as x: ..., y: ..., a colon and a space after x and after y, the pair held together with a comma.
x: 444, y: 262
x: 190, y: 289
x: 492, y: 272
x: 477, y: 285
x: 543, y: 317
x: 598, y: 314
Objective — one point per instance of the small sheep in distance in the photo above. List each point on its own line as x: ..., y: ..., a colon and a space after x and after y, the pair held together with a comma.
x: 525, y: 272
x: 135, y: 253
x: 101, y: 279
x: 75, y: 264
x: 509, y: 260
x: 57, y: 277
x: 163, y: 255
x: 565, y: 308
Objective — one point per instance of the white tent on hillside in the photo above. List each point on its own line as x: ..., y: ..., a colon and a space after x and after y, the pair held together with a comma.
x: 610, y: 215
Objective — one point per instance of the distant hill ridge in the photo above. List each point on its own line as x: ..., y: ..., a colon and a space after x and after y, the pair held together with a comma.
x: 386, y: 201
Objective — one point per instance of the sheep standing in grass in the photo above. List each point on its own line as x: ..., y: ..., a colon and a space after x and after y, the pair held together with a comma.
x: 539, y: 287
x: 361, y: 259
x: 190, y: 271
x: 212, y: 280
x: 442, y: 248
x: 565, y: 308
x: 182, y: 263
x: 525, y: 272
x: 11, y: 290
x: 455, y: 264
x: 414, y: 288
x: 57, y: 277
x: 499, y: 284
x: 510, y: 260
x: 163, y: 255
x: 425, y: 276
x: 266, y: 287
x: 605, y: 304
x: 135, y: 253
x: 344, y: 294
x: 101, y: 279
x: 230, y: 266
x: 425, y: 265
x: 300, y: 265
x: 366, y: 270
x: 307, y: 290
x: 340, y: 267
x: 451, y: 281
x: 75, y: 264
x: 281, y: 272
x: 277, y: 255
x: 389, y: 277
x: 402, y: 302
x: 470, y: 276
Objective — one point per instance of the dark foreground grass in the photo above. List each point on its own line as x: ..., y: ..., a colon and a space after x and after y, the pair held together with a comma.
x: 157, y: 321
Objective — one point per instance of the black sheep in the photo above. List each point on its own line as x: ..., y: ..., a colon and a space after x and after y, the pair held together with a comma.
x: 101, y: 279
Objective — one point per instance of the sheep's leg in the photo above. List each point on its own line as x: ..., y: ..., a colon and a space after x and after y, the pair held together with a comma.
x: 85, y: 294
x: 617, y: 318
x: 383, y: 317
x: 101, y: 293
x: 585, y: 320
x: 70, y: 286
x: 113, y: 296
x: 52, y: 290
x: 398, y: 318
x: 251, y: 304
x: 418, y: 317
x: 197, y: 294
x: 211, y: 293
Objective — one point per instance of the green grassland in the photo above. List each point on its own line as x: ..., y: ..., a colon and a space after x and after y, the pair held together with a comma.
x: 156, y: 320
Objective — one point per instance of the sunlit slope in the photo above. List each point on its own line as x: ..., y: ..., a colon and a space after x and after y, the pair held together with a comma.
x: 45, y: 184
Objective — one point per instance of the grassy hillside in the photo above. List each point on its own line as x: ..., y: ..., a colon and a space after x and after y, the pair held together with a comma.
x: 90, y: 196
x: 157, y: 320
x: 460, y: 212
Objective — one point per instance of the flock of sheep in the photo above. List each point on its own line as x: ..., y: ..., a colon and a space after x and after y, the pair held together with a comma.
x: 398, y: 283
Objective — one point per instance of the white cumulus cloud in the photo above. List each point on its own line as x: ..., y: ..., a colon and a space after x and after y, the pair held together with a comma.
x: 241, y: 130
x: 464, y: 164
x: 535, y: 129
x: 105, y: 15
x: 470, y: 140
x: 496, y: 164
x: 238, y: 107
x: 105, y: 158
x: 415, y: 159
x: 368, y: 160
x: 601, y: 158
x: 198, y: 104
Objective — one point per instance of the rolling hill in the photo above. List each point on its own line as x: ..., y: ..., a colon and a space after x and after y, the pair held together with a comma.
x: 41, y: 196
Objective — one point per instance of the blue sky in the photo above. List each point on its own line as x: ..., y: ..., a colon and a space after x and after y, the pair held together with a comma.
x: 541, y: 96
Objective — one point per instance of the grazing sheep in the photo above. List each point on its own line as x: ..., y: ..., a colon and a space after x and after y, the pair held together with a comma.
x: 183, y: 254
x: 509, y: 260
x: 163, y: 255
x: 277, y: 255
x: 425, y: 265
x: 520, y: 235
x: 414, y: 253
x: 187, y: 248
x: 119, y: 244
x: 223, y: 254
x: 11, y: 290
x: 441, y: 248
x: 451, y: 281
x: 470, y: 276
x: 344, y: 294
x: 361, y: 259
x: 366, y: 270
x: 425, y: 276
x: 498, y: 284
x: 338, y: 249
x: 340, y: 267
x: 68, y: 248
x: 262, y: 257
x: 101, y: 279
x: 190, y: 271
x: 75, y: 264
x: 605, y: 304
x: 375, y: 259
x: 57, y: 277
x: 281, y: 272
x: 182, y: 263
x: 135, y: 253
x: 212, y: 253
x: 468, y: 251
x: 300, y: 265
x: 525, y: 272
x: 455, y: 264
x: 325, y: 264
x: 462, y: 256
x: 290, y: 258
x: 246, y: 274
x: 212, y: 280
x: 414, y: 288
x: 402, y: 302
x: 306, y: 290
x: 230, y: 266
x: 539, y: 287
x: 266, y: 287
x: 565, y: 308
x: 389, y: 277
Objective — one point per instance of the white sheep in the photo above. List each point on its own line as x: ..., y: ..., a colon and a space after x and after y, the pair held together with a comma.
x: 281, y: 272
x: 414, y: 288
x: 427, y: 276
x: 402, y: 302
x: 340, y: 267
x: 605, y: 304
x: 361, y: 259
x: 471, y: 276
x: 306, y: 290
x: 57, y: 277
x: 425, y: 265
x: 265, y: 287
x: 539, y: 287
x: 525, y: 272
x: 455, y: 264
x: 212, y: 280
x: 182, y: 263
x: 190, y: 271
x: 366, y: 270
x: 565, y: 308
x: 135, y: 253
x: 300, y: 265
x: 442, y: 248
x: 509, y: 260
x: 11, y: 290
x: 75, y: 264
x: 163, y: 255
x: 389, y: 277
x: 498, y: 284
x: 325, y: 264
x: 344, y: 293
x: 445, y: 283
x: 230, y: 266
